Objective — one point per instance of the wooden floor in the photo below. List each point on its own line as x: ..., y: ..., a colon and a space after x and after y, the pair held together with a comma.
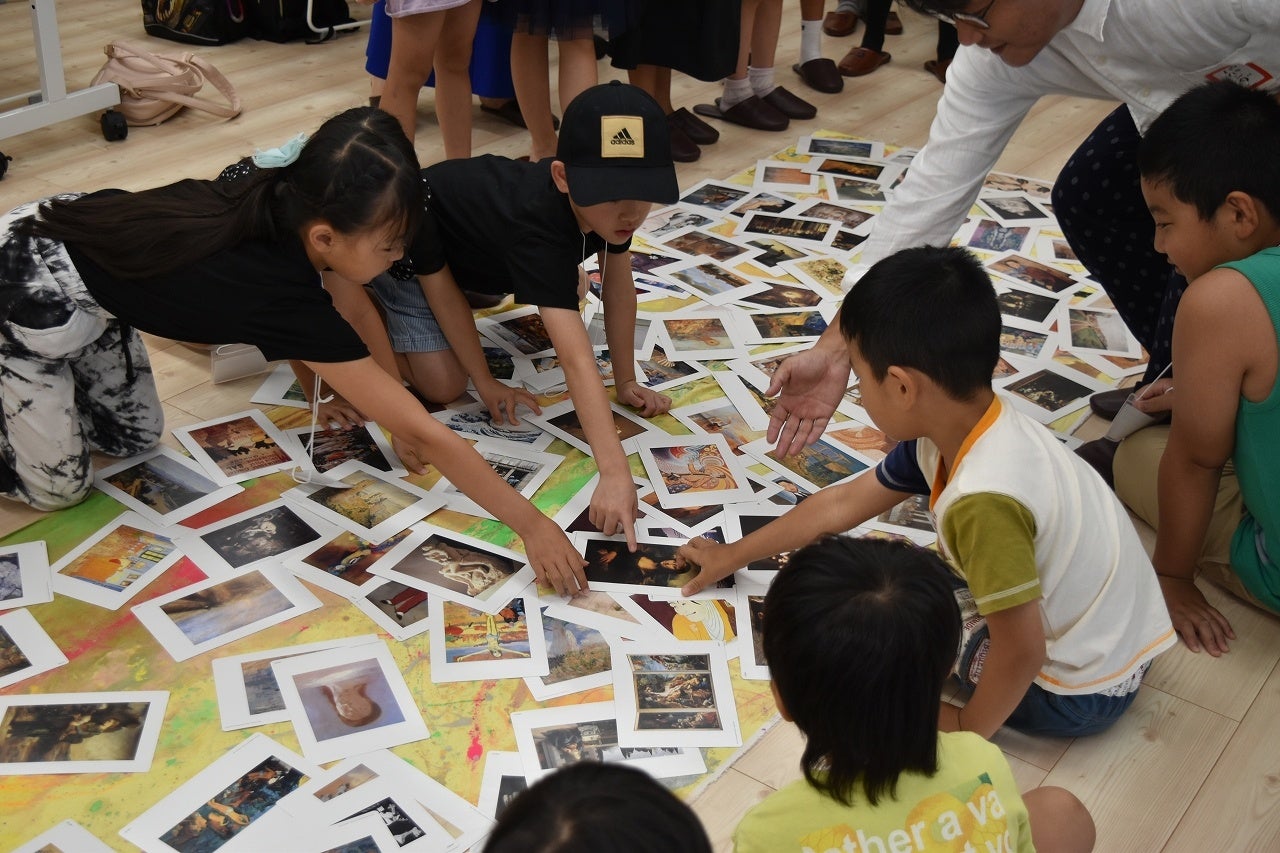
x: 1194, y: 765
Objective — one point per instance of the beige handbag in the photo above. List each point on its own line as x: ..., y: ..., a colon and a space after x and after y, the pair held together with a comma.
x: 155, y: 86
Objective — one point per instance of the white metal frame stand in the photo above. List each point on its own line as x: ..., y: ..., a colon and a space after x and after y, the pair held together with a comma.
x: 327, y: 33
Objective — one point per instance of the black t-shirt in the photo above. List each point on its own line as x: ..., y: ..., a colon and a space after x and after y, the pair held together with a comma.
x: 502, y: 226
x: 265, y: 294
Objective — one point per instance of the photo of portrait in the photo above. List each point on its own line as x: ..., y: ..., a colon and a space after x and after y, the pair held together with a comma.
x: 1049, y: 390
x: 1012, y: 208
x: 714, y: 196
x: 691, y: 619
x: 791, y: 494
x: 1022, y: 342
x: 237, y: 447
x: 232, y: 809
x: 702, y: 243
x: 991, y: 236
x: 812, y: 230
x: 54, y: 732
x: 764, y: 202
x: 225, y: 607
x: 672, y: 220
x: 651, y: 564
x: 1033, y: 307
x: 773, y: 252
x: 854, y: 189
x: 1027, y: 271
x: 258, y: 537
x: 846, y: 216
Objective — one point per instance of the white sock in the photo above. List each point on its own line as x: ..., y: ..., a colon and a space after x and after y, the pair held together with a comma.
x: 810, y: 41
x: 761, y: 80
x: 736, y: 91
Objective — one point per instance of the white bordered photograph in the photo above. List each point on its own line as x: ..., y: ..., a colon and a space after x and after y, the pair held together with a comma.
x: 281, y: 388
x: 367, y: 833
x: 115, y: 563
x: 373, y: 504
x: 749, y: 612
x: 711, y: 282
x: 674, y: 693
x: 655, y: 287
x: 563, y: 422
x: 1023, y: 270
x: 614, y: 616
x: 825, y: 275
x: 341, y: 564
x: 24, y: 575
x: 471, y: 645
x: 685, y: 521
x: 1033, y: 309
x: 162, y: 485
x: 805, y: 232
x: 1097, y: 331
x: 751, y: 403
x: 551, y: 738
x: 758, y: 368
x: 410, y: 823
x: 743, y: 520
x: 502, y: 782
x: 772, y: 252
x: 67, y: 836
x: 862, y: 438
x: 272, y: 531
x: 224, y: 803
x: 1050, y: 393
x: 651, y: 569
x: 334, y: 446
x: 577, y: 660
x: 520, y: 332
x: 713, y: 195
x: 780, y: 294
x: 1000, y: 182
x: 850, y: 218
x: 854, y: 190
x: 834, y: 146
x: 457, y: 567
x: 785, y: 177
x: 702, y: 335
x: 1028, y: 344
x: 788, y: 325
x: 220, y: 610
x: 474, y: 422
x: 113, y: 732
x: 821, y: 464
x: 765, y: 202
x: 1012, y: 209
x: 709, y: 619
x: 1054, y: 247
x: 864, y: 169
x: 718, y: 417
x: 694, y: 470
x: 988, y: 235
x: 348, y: 700
x: 396, y: 608
x: 25, y: 648
x: 669, y: 220
x: 658, y: 371
x: 525, y: 470
x: 248, y: 693
x: 237, y: 447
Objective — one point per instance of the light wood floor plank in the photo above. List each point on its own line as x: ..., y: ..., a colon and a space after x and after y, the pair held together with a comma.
x: 722, y: 805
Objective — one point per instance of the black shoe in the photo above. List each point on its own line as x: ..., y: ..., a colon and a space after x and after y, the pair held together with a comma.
x: 1101, y: 455
x: 1106, y: 404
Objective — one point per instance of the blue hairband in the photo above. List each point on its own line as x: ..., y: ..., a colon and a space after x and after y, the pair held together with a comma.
x: 274, y: 158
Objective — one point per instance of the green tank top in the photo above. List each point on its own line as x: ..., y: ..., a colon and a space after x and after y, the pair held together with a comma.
x: 1255, y: 548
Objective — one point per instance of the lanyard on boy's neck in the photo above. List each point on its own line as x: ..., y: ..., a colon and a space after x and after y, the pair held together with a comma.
x: 604, y: 261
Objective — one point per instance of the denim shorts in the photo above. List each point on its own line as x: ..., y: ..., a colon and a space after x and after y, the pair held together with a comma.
x: 1060, y: 715
x: 410, y: 324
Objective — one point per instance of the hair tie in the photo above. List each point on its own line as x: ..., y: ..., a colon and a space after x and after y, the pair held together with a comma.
x: 274, y: 158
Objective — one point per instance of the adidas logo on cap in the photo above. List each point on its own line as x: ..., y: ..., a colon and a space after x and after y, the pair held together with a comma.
x: 622, y: 137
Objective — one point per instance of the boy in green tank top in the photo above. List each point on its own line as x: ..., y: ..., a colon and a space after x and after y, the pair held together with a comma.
x: 1212, y: 182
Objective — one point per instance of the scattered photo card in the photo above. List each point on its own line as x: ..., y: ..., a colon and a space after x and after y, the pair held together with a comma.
x: 551, y: 738
x: 692, y: 471
x: 274, y: 530
x: 1034, y: 309
x: 474, y: 422
x: 281, y: 388
x: 669, y: 220
x: 524, y: 470
x: 708, y: 619
x: 502, y: 782
x: 855, y: 190
x: 410, y: 823
x: 674, y: 693
x: 750, y: 402
x: 470, y: 645
x: 25, y: 648
x: 24, y: 575
x: 341, y: 564
x: 861, y: 438
x: 1048, y: 394
x: 651, y: 569
x: 787, y: 325
x: 705, y: 245
x: 1024, y: 343
x: 563, y: 422
x: 335, y: 446
x: 224, y: 802
x: 821, y: 464
x: 885, y: 174
x: 826, y: 275
x: 1000, y: 182
x: 757, y: 370
x: 745, y: 519
x: 346, y: 701
x: 457, y: 567
x: 702, y: 335
x: 809, y: 232
x: 750, y: 615
x: 1055, y: 248
x: 848, y: 217
x: 520, y: 332
x: 67, y: 836
x: 988, y: 235
x: 367, y: 833
x: 659, y: 371
x: 398, y: 609
x: 713, y: 195
x: 782, y: 295
x: 577, y: 658
x: 116, y: 563
x: 80, y: 732
x: 1024, y: 270
x: 162, y: 485
x: 764, y: 202
x: 373, y: 505
x: 773, y: 252
x: 248, y: 693
x: 912, y: 513
x: 643, y: 261
x: 711, y: 282
x: 837, y: 147
x: 220, y: 610
x: 780, y: 176
x: 1012, y: 209
x: 718, y: 417
x: 237, y: 447
x: 1098, y: 331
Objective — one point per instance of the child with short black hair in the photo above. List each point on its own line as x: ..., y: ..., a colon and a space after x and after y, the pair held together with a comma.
x: 860, y: 635
x: 591, y: 807
x: 1211, y: 180
x: 1066, y: 614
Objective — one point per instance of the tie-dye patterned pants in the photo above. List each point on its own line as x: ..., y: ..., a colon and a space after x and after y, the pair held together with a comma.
x: 73, y: 378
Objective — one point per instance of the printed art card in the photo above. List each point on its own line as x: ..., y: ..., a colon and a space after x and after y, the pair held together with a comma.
x: 824, y: 463
x: 702, y: 244
x: 502, y: 782
x: 758, y: 368
x: 281, y: 388
x: 398, y: 609
x: 744, y: 519
x: 162, y: 485
x: 749, y: 612
x: 784, y: 177
x: 660, y: 372
x: 652, y: 569
x: 788, y: 325
x: 116, y: 563
x: 1019, y: 340
x: 718, y: 417
x: 223, y: 807
x: 24, y: 575
x: 272, y: 531
x: 220, y: 610
x: 1013, y: 209
x: 766, y: 202
x: 855, y: 190
x: 832, y: 146
x: 808, y: 233
x: 237, y: 447
x: 25, y: 648
x: 334, y: 446
x: 781, y: 294
x: 702, y: 334
x: 1028, y: 307
x: 850, y: 218
x: 475, y: 423
x: 750, y: 402
x: 373, y: 504
x: 341, y: 564
x: 674, y: 693
x: 882, y: 172
x: 577, y: 659
x: 457, y: 567
x: 694, y: 470
x: 345, y: 701
x: 1049, y: 393
x: 470, y: 645
x: 1097, y: 331
x: 772, y: 252
x: 248, y: 693
x: 67, y: 836
x: 670, y: 220
x: 1054, y: 248
x: 988, y: 235
x: 520, y: 332
x: 711, y: 282
x: 112, y: 732
x: 525, y: 470
x: 688, y: 619
x: 999, y: 182
x: 563, y: 421
x: 1023, y: 270
x: 713, y: 195
x: 551, y: 738
x: 614, y: 616
x: 825, y: 275
x: 411, y: 825
x: 683, y: 521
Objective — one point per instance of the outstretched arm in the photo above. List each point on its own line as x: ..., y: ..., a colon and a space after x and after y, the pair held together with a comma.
x: 619, y: 291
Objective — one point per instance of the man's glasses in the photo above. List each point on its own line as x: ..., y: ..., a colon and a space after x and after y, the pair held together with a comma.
x: 977, y: 19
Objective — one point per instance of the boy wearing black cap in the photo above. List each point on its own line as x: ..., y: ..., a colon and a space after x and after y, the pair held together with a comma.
x: 498, y: 226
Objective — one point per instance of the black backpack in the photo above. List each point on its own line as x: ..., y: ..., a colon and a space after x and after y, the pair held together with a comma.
x: 286, y: 20
x: 201, y: 22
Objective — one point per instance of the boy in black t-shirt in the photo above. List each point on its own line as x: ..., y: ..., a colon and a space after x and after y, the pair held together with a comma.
x: 501, y: 226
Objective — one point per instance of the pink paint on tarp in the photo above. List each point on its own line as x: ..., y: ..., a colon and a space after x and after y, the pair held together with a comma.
x: 476, y: 750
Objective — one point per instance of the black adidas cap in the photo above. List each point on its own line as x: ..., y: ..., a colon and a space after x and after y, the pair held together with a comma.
x: 615, y: 146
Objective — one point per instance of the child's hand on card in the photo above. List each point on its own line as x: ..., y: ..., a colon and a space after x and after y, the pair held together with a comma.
x: 501, y: 400
x: 336, y: 410
x: 648, y: 401
x: 554, y: 559
x: 712, y: 558
x: 615, y: 508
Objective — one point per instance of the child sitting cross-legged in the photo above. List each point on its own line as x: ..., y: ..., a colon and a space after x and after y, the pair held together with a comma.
x: 1063, y: 613
x: 860, y: 635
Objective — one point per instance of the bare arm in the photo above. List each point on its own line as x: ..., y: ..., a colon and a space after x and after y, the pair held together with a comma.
x: 1016, y: 655
x: 619, y: 292
x: 811, y: 384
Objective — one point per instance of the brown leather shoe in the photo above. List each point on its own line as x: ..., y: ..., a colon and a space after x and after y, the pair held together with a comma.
x: 821, y: 75
x: 790, y: 105
x: 753, y: 113
x: 695, y: 128
x: 862, y: 60
x: 683, y: 149
x: 840, y: 24
x: 938, y: 69
x: 893, y: 25
x: 1106, y: 404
